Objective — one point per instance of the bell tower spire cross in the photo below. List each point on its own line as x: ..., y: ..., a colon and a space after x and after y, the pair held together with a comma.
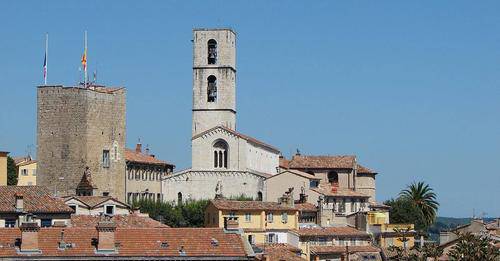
x: 214, y: 79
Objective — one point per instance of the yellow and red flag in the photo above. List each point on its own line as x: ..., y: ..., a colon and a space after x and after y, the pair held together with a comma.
x: 84, y: 60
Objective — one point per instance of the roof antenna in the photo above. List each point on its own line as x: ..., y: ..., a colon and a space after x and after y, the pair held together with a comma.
x: 298, y: 152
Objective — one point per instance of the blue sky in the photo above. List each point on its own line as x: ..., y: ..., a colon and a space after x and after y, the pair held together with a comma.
x: 411, y: 88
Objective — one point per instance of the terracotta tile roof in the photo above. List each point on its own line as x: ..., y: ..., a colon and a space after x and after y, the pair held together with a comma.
x: 36, y: 200
x: 326, y: 189
x: 240, y: 135
x: 133, y: 156
x: 298, y: 173
x: 309, y: 207
x: 223, y: 204
x: 331, y: 231
x: 133, y: 242
x: 322, y: 162
x: 124, y: 221
x: 365, y: 170
x: 342, y: 249
x: 284, y: 162
x: 86, y: 181
x: 21, y: 159
x: 279, y: 246
x: 24, y: 163
x: 279, y: 252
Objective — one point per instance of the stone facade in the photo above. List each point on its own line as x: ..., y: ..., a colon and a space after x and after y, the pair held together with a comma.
x: 3, y: 168
x: 203, y: 184
x: 145, y: 174
x: 220, y: 73
x: 78, y: 128
x: 221, y: 156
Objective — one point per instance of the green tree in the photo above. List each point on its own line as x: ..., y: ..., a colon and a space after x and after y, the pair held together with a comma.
x: 11, y: 172
x: 188, y: 214
x: 404, y: 211
x: 424, y: 198
x: 472, y: 247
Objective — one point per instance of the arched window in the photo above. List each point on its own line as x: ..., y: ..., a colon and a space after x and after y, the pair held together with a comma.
x: 221, y: 154
x: 333, y: 178
x: 212, y: 51
x: 259, y: 196
x: 179, y: 198
x: 212, y: 89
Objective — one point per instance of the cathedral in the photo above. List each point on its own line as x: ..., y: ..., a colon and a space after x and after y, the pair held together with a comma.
x: 224, y: 161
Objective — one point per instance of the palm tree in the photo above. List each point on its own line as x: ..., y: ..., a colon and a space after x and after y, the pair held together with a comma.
x: 424, y: 198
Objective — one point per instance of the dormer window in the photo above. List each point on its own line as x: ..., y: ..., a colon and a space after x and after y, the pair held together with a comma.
x: 212, y: 51
x: 212, y: 89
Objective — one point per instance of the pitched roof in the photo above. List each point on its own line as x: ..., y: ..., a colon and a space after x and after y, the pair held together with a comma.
x: 331, y: 231
x: 223, y: 204
x: 365, y: 170
x: 36, y: 199
x: 298, y: 173
x: 134, y: 156
x: 328, y: 190
x: 284, y: 163
x: 124, y: 221
x: 93, y: 201
x: 322, y: 162
x: 240, y: 135
x: 279, y: 252
x: 133, y: 242
x: 20, y: 159
x: 342, y: 249
x: 309, y: 207
x: 24, y: 163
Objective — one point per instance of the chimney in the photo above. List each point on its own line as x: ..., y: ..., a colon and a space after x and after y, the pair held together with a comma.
x: 287, y: 198
x: 147, y: 149
x: 138, y: 148
x: 19, y: 202
x: 106, y: 235
x: 29, y: 236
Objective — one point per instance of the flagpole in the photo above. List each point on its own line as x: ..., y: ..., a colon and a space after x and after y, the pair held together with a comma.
x: 46, y: 57
x: 86, y: 63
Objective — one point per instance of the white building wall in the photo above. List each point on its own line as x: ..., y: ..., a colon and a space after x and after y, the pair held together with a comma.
x: 261, y: 159
x: 195, y: 185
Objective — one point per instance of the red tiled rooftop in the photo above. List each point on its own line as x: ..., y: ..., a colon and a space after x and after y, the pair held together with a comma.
x: 223, y: 204
x: 322, y: 162
x: 342, y: 249
x: 36, y: 199
x: 134, y: 156
x: 306, y: 207
x: 124, y: 221
x: 326, y: 189
x: 92, y: 201
x: 133, y: 242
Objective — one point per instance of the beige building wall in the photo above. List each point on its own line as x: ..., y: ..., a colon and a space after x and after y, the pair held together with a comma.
x: 365, y: 183
x: 26, y: 175
x: 3, y: 168
x: 279, y: 184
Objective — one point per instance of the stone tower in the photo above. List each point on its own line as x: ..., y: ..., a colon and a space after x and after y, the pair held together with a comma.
x: 79, y: 128
x: 214, y: 79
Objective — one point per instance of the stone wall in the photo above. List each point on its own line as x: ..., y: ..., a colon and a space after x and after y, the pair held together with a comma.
x: 201, y: 185
x: 75, y: 126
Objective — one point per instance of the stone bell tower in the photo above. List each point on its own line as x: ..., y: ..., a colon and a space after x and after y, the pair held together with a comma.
x: 214, y: 79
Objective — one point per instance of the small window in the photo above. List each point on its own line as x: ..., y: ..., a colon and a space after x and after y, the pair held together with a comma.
x: 269, y: 217
x: 179, y: 198
x: 313, y: 183
x: 109, y: 210
x: 105, y: 158
x: 129, y: 197
x: 272, y: 238
x: 24, y: 172
x: 284, y: 217
x: 10, y: 223
x: 232, y: 214
x: 248, y: 217
x: 105, y: 194
x: 251, y: 239
x: 46, y: 222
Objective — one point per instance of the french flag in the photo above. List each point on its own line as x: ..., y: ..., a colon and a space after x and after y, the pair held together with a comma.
x: 45, y: 68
